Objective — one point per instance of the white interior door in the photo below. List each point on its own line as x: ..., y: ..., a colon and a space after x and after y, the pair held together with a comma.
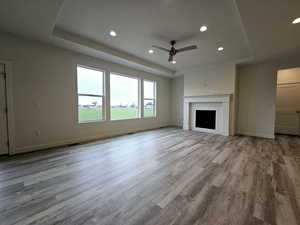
x: 3, y: 113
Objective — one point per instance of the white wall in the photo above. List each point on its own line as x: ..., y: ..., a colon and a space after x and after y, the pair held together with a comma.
x: 213, y: 80
x: 257, y: 95
x: 177, y: 101
x: 210, y: 80
x: 257, y: 91
x: 44, y: 95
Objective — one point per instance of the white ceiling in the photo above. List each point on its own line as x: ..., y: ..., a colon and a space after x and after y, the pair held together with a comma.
x: 269, y: 27
x: 140, y: 24
x: 32, y: 18
x: 248, y: 30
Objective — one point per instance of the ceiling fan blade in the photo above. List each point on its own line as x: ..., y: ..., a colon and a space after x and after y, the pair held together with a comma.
x: 188, y: 48
x: 161, y: 48
x: 170, y: 58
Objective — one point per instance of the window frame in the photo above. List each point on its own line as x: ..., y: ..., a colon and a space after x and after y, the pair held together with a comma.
x: 139, y: 95
x: 151, y: 99
x: 103, y: 96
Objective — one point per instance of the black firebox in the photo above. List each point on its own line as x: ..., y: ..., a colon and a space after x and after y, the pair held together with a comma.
x: 206, y: 119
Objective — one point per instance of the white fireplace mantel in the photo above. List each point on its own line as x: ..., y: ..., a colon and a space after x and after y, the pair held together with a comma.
x: 223, y: 101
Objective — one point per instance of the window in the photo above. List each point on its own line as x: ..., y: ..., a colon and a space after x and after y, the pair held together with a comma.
x: 149, y: 98
x: 124, y: 97
x: 90, y: 94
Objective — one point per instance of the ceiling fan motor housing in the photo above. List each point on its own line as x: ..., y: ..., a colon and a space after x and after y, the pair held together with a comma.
x: 173, y: 50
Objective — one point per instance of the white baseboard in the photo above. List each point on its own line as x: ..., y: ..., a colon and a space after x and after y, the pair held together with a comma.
x: 176, y: 124
x: 256, y: 134
x: 32, y: 148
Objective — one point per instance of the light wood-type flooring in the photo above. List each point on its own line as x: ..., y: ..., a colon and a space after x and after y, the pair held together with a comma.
x: 165, y: 176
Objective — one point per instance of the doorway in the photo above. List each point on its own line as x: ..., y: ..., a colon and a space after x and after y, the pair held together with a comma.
x: 288, y: 102
x: 4, y: 144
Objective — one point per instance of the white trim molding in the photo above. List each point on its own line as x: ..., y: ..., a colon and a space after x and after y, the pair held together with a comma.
x: 221, y: 103
x: 256, y: 134
x: 81, y: 140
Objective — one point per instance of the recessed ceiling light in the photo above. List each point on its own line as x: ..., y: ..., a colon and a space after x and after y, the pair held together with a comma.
x: 203, y: 28
x: 151, y: 51
x: 296, y: 21
x: 113, y: 33
x: 173, y: 62
x: 220, y: 49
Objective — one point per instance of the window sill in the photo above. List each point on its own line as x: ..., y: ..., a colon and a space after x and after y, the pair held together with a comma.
x: 117, y: 120
x: 91, y: 121
x: 141, y: 118
x: 124, y: 119
x: 150, y: 117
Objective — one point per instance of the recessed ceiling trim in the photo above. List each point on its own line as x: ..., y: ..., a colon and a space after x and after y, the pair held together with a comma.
x: 58, y: 13
x: 243, y: 29
x: 124, y: 57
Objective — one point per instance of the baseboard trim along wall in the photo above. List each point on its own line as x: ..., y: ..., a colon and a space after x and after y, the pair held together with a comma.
x: 32, y: 148
x: 256, y: 134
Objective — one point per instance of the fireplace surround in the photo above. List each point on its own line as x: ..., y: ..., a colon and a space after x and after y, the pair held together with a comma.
x: 220, y: 104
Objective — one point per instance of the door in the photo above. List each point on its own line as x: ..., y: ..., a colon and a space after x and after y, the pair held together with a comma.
x: 3, y: 112
x: 288, y: 106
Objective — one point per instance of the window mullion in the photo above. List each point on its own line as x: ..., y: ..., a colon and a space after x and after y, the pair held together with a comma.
x: 107, y: 94
x: 154, y: 107
x: 142, y: 98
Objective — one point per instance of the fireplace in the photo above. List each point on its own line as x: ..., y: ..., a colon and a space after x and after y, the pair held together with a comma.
x: 207, y: 114
x: 205, y: 119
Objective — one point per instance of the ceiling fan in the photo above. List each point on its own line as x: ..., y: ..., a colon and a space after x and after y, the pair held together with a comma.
x: 173, y: 51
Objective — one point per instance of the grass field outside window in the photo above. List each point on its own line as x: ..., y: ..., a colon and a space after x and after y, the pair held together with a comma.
x: 96, y: 114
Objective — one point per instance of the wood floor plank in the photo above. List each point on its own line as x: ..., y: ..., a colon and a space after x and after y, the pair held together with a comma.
x: 161, y: 177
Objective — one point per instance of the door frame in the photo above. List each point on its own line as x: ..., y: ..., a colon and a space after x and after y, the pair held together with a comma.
x: 10, y: 108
